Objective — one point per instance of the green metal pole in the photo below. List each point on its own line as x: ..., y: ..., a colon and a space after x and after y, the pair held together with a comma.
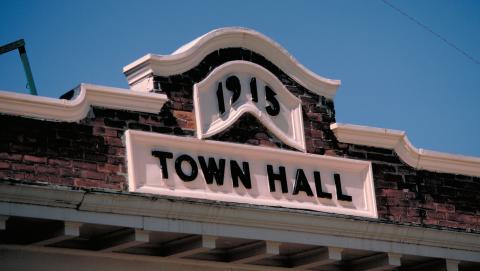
x: 28, y: 71
x: 20, y: 45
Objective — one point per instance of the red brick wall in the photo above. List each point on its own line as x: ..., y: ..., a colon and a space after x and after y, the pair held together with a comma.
x: 91, y: 153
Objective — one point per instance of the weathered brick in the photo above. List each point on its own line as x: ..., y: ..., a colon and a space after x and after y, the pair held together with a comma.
x: 385, y: 184
x: 446, y: 223
x: 162, y: 130
x: 9, y: 156
x: 430, y: 221
x: 369, y: 149
x: 446, y: 208
x: 108, y: 168
x: 393, y: 178
x: 468, y: 219
x: 149, y: 120
x: 111, y: 132
x: 382, y: 157
x: 34, y: 159
x: 436, y: 215
x: 183, y: 115
x: 103, y: 112
x: 113, y: 141
x: 383, y: 168
x: 60, y: 180
x: 84, y: 165
x: 98, y: 130
x: 23, y: 167
x: 92, y: 175
x: 115, y: 160
x: 116, y: 151
x: 6, y: 174
x: 95, y: 157
x: 116, y: 178
x: 392, y: 193
x: 4, y: 165
x: 139, y: 126
x: 33, y: 177
x: 125, y: 115
x: 59, y: 162
x: 360, y: 155
x: 115, y: 123
x: 43, y: 169
x: 68, y: 172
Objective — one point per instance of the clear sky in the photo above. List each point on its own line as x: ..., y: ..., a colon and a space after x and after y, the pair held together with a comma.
x: 395, y: 74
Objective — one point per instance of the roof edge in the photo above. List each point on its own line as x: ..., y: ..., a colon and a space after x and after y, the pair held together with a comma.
x: 131, y: 210
x: 86, y: 95
x: 191, y: 54
x: 414, y: 157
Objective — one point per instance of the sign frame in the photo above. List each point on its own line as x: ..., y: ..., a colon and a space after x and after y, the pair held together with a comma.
x: 140, y: 144
x: 287, y: 125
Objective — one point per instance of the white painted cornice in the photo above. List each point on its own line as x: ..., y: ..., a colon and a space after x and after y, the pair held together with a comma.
x: 184, y: 215
x: 191, y: 54
x: 415, y: 157
x: 85, y: 96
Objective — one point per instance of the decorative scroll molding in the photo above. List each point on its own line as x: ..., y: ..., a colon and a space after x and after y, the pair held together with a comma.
x: 415, y: 157
x: 191, y: 54
x: 287, y: 125
x: 85, y: 96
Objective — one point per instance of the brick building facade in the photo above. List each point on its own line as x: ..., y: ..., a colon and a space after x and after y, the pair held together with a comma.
x: 61, y: 167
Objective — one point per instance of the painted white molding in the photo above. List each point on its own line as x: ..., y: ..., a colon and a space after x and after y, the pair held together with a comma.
x: 146, y: 175
x: 191, y: 54
x: 85, y: 96
x: 124, y: 241
x: 69, y: 230
x: 49, y: 258
x: 287, y: 125
x: 415, y: 157
x: 3, y: 222
x: 452, y: 265
x: 236, y: 220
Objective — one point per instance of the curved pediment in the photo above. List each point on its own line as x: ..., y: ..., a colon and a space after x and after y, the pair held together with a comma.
x: 191, y: 54
x: 239, y: 87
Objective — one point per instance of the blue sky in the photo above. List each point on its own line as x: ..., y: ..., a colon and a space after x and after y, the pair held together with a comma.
x: 394, y: 73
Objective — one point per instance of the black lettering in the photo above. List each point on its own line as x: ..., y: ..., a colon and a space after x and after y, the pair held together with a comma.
x: 211, y: 171
x: 318, y: 186
x: 243, y: 175
x: 338, y: 185
x: 162, y: 157
x: 274, y: 108
x: 221, y: 102
x: 281, y: 176
x: 301, y: 184
x: 233, y: 84
x: 178, y: 168
x: 253, y: 89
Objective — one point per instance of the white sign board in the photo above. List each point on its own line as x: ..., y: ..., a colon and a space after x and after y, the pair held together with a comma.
x: 189, y: 167
x: 239, y: 87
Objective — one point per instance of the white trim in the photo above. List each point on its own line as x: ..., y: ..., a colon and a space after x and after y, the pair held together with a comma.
x: 236, y: 220
x: 86, y: 95
x: 191, y: 54
x: 291, y: 105
x: 141, y: 261
x: 143, y: 173
x: 415, y: 157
